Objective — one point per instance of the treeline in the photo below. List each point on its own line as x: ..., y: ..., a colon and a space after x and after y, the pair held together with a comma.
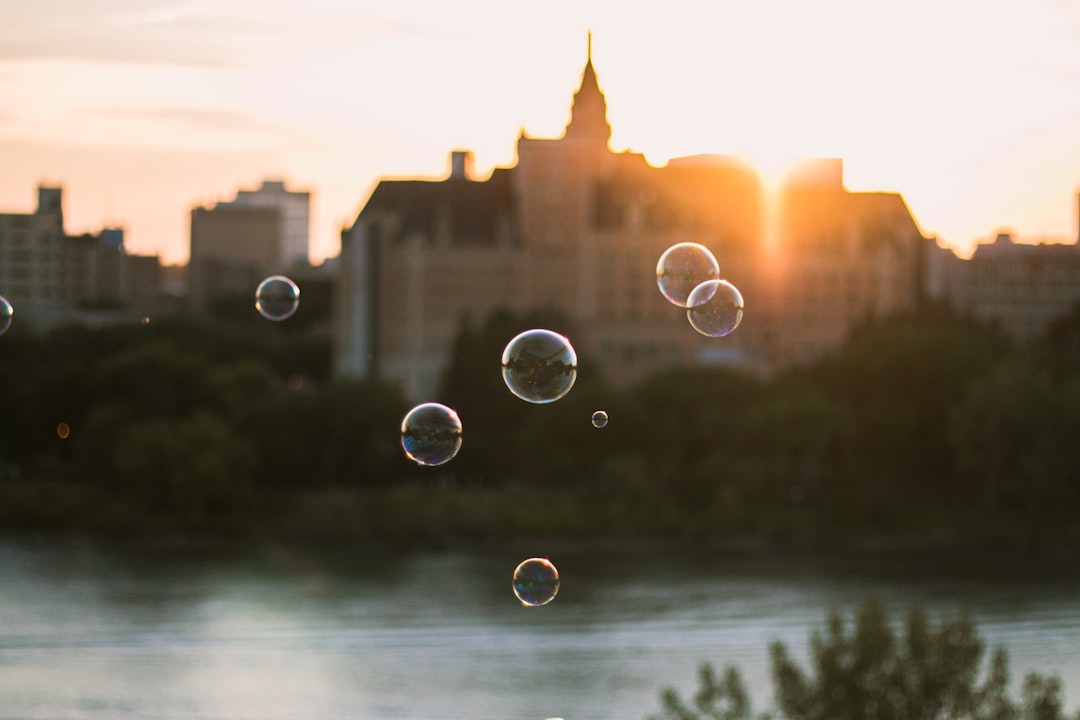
x: 927, y: 423
x: 922, y: 425
x: 180, y: 425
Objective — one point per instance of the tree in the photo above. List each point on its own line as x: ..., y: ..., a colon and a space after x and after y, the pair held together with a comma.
x: 871, y: 672
x: 717, y: 698
x: 900, y: 376
x: 1013, y: 434
x: 191, y: 469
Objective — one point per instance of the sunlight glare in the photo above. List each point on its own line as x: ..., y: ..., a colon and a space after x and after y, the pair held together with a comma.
x: 771, y: 163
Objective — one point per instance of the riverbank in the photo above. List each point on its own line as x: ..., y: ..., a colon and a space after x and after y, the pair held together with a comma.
x: 431, y: 517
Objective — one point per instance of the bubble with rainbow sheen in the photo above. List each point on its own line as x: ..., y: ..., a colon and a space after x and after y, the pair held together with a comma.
x: 277, y: 298
x: 716, y: 308
x: 6, y: 313
x: 539, y: 366
x: 431, y: 434
x: 682, y: 268
x: 536, y: 582
x: 599, y: 419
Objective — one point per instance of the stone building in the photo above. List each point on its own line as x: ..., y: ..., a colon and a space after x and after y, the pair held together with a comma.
x: 576, y: 226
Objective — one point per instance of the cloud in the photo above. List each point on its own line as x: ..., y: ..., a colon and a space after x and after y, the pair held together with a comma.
x: 191, y: 118
x: 191, y: 32
x: 130, y: 32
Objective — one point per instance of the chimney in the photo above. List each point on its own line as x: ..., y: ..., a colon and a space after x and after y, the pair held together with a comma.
x: 50, y: 199
x: 461, y: 165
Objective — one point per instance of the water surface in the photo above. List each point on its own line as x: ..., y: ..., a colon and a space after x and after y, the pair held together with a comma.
x: 279, y: 634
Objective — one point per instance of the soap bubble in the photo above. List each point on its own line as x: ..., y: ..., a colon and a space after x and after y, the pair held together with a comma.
x: 6, y: 311
x: 599, y: 419
x: 539, y: 366
x: 536, y: 581
x: 716, y: 308
x: 431, y: 434
x: 682, y: 268
x: 277, y: 298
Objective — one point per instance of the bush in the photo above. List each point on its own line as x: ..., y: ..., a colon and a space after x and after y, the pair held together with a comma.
x: 871, y: 672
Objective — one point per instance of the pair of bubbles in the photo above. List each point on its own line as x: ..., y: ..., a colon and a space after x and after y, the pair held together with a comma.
x: 538, y: 366
x: 689, y: 276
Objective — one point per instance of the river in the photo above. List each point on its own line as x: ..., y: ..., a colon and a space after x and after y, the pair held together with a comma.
x: 276, y: 633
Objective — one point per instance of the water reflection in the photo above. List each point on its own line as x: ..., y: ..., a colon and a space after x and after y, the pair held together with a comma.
x: 274, y: 632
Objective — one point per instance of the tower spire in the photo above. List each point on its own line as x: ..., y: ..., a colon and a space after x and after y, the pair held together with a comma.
x: 588, y: 114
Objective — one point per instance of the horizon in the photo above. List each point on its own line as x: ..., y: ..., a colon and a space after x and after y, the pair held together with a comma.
x: 144, y: 111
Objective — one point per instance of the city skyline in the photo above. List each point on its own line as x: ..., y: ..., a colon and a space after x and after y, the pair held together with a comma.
x: 143, y: 111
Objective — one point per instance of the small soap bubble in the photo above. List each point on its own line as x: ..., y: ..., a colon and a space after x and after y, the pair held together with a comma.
x: 682, y: 268
x: 536, y: 582
x: 539, y: 366
x: 431, y: 434
x: 63, y: 431
x: 145, y: 320
x: 277, y: 298
x: 6, y: 311
x: 716, y: 308
x: 599, y: 419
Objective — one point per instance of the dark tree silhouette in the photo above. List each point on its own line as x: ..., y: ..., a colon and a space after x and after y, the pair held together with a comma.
x: 869, y: 671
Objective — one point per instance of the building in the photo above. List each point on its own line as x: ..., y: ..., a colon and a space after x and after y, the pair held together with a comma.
x: 1020, y: 288
x: 31, y: 259
x: 295, y: 207
x: 95, y: 270
x: 51, y: 277
x: 576, y: 226
x: 237, y: 243
x: 233, y: 247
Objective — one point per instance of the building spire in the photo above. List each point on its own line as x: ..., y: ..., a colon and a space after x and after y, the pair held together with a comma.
x: 588, y: 115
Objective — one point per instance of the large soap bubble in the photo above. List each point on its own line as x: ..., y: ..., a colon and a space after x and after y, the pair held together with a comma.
x: 682, y: 268
x: 716, y: 308
x: 539, y: 366
x: 431, y: 434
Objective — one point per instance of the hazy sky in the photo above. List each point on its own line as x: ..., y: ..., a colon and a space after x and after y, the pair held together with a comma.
x: 145, y: 108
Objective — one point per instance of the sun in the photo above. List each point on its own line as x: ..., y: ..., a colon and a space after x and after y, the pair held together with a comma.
x: 772, y: 163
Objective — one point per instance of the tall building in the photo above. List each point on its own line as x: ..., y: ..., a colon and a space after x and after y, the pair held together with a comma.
x: 31, y: 259
x: 95, y: 270
x: 52, y: 277
x: 576, y: 226
x: 238, y: 242
x: 295, y: 207
x: 233, y: 247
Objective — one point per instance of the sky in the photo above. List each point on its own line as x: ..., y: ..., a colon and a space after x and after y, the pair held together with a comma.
x: 143, y: 109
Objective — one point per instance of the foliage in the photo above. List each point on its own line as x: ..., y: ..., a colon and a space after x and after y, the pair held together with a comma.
x: 1013, y: 434
x: 716, y: 699
x: 921, y: 424
x: 872, y: 672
